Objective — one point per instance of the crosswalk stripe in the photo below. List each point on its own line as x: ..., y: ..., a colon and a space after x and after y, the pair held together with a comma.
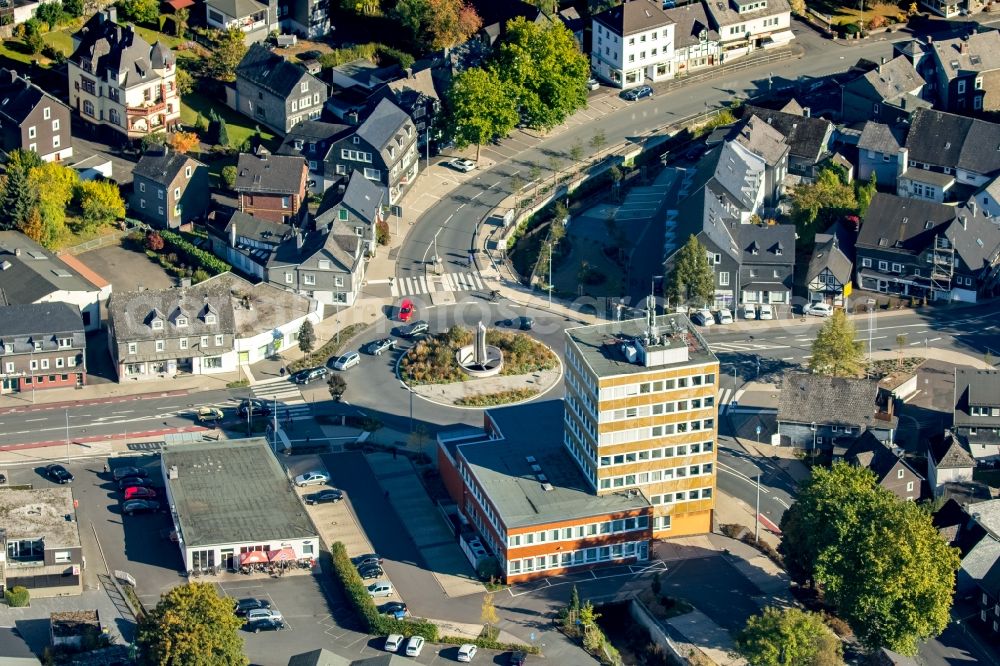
x: 414, y: 286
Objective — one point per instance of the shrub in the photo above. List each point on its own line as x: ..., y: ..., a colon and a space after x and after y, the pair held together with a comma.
x: 17, y: 597
x: 331, y: 348
x: 497, y: 398
x: 229, y: 176
x: 488, y: 644
x: 154, y: 241
x: 337, y: 386
x: 382, y: 235
x: 199, y: 275
x: 193, y: 255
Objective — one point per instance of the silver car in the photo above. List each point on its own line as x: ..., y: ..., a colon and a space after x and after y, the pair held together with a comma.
x: 347, y: 361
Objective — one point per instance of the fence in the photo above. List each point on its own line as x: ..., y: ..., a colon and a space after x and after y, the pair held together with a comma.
x: 657, y: 633
x: 113, y: 238
x: 710, y: 73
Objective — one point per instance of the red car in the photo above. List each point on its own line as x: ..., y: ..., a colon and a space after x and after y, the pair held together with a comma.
x: 405, y: 310
x: 139, y: 492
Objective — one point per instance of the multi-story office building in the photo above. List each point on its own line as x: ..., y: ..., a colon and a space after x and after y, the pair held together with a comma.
x: 641, y: 416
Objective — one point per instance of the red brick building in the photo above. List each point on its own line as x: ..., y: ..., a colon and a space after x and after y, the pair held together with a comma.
x: 272, y: 187
x: 42, y: 346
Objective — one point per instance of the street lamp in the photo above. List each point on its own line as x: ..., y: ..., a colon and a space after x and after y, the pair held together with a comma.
x: 813, y: 428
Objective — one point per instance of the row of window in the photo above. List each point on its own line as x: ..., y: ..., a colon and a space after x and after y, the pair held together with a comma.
x: 657, y: 453
x: 657, y: 476
x: 182, y: 343
x: 181, y: 321
x: 33, y: 131
x: 43, y: 364
x: 579, y: 531
x: 659, y: 408
x: 628, y: 390
x: 40, y: 379
x: 355, y: 155
x: 305, y: 102
x: 310, y: 279
x: 484, y: 506
x: 984, y: 411
x: 64, y: 343
x: 665, y: 430
x: 617, y: 551
x: 682, y: 496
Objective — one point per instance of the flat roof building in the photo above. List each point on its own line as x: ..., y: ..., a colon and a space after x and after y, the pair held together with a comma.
x: 231, y: 498
x: 40, y: 542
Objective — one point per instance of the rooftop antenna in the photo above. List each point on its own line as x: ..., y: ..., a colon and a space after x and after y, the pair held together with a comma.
x: 651, y: 330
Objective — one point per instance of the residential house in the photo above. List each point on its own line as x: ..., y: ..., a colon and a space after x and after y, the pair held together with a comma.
x: 383, y: 148
x: 118, y: 81
x: 274, y: 91
x: 892, y: 472
x: 989, y: 601
x: 312, y: 139
x: 953, y: 8
x: 971, y: 528
x: 988, y: 199
x: 959, y: 150
x: 365, y: 74
x: 976, y: 417
x: 888, y: 93
x: 967, y: 72
x: 697, y: 43
x: 881, y: 153
x: 919, y: 249
x: 169, y: 189
x: 255, y: 19
x: 248, y: 243
x: 42, y: 346
x: 307, y: 18
x: 361, y: 208
x: 41, y: 537
x: 745, y: 26
x: 32, y: 119
x: 821, y: 412
x: 272, y: 187
x: 948, y: 461
x: 575, y: 23
x: 767, y: 263
x: 761, y: 139
x: 808, y: 138
x: 417, y: 96
x: 31, y: 274
x: 495, y: 15
x: 633, y: 42
x: 828, y: 277
x: 921, y: 55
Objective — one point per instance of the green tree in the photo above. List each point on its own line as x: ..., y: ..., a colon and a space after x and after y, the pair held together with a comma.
x: 141, y: 11
x: 100, y: 202
x: 55, y: 185
x: 307, y: 337
x: 835, y: 350
x: 798, y: 6
x: 574, y: 600
x: 19, y: 193
x: 864, y: 194
x: 878, y: 560
x: 193, y: 625
x: 73, y: 7
x: 181, y: 17
x: 543, y: 68
x: 221, y: 133
x: 185, y: 82
x: 597, y: 142
x: 817, y: 204
x: 33, y: 35
x: 50, y: 13
x: 228, y: 49
x: 690, y: 279
x: 488, y: 613
x: 788, y: 637
x: 439, y: 24
x: 229, y: 176
x: 481, y: 108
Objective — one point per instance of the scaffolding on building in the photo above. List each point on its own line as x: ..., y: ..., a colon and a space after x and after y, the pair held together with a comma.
x: 942, y: 266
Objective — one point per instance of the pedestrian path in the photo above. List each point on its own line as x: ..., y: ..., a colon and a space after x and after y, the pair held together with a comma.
x: 725, y: 397
x: 414, y: 286
x: 292, y: 407
x: 744, y: 346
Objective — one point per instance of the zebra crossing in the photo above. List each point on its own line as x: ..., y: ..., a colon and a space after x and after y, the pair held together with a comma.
x: 291, y: 406
x: 725, y: 398
x: 426, y: 284
x: 743, y: 347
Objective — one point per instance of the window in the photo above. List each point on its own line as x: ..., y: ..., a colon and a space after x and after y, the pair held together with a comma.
x: 883, y: 265
x: 724, y: 279
x: 47, y: 113
x: 132, y: 348
x: 32, y: 132
x: 45, y: 364
x: 286, y: 202
x: 900, y: 473
x: 288, y: 278
x: 157, y: 324
x: 304, y: 86
x: 875, y: 109
x: 866, y: 262
x: 88, y: 108
x: 159, y: 345
x: 219, y: 340
x: 59, y: 362
x: 183, y: 343
x: 372, y: 174
x: 978, y: 83
x: 309, y: 279
x: 909, y: 487
x: 204, y: 341
x: 56, y: 141
x: 961, y: 87
x: 187, y: 172
x: 177, y: 193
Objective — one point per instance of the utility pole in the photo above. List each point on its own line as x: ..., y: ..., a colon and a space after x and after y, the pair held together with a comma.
x: 756, y: 515
x: 550, y: 273
x: 67, y: 435
x: 274, y: 426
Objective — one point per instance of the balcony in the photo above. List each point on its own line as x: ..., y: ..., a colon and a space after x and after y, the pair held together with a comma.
x: 149, y: 108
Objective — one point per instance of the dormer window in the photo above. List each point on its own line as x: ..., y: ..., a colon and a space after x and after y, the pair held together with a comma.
x: 181, y: 321
x: 210, y: 318
x: 304, y: 86
x: 37, y: 344
x: 157, y: 324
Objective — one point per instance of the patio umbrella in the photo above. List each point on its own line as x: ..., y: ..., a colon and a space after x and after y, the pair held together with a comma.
x: 253, y: 557
x: 283, y: 555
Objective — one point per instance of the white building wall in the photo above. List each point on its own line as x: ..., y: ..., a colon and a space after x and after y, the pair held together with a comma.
x: 938, y: 477
x: 629, y: 61
x: 307, y: 548
x: 87, y: 301
x: 252, y: 346
x: 747, y: 32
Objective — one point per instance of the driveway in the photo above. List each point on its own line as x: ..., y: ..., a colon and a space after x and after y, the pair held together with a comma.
x: 127, y: 270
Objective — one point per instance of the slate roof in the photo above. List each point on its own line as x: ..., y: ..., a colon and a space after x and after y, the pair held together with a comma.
x: 941, y: 180
x: 237, y: 8
x: 21, y: 326
x: 893, y: 79
x: 267, y: 70
x: 363, y: 196
x: 980, y: 388
x: 987, y: 514
x: 982, y: 53
x: 367, y: 74
x: 386, y: 122
x: 114, y: 48
x: 980, y: 560
x: 266, y: 173
x: 130, y: 313
x: 958, y: 528
x: 339, y: 244
x: 759, y: 137
x: 809, y: 398
x: 975, y: 236
x: 162, y: 166
x: 948, y: 453
x: 723, y: 13
x: 881, y: 138
x: 320, y: 657
x: 634, y: 16
x: 768, y: 240
x: 36, y: 273
x: 990, y: 582
x: 266, y: 236
x: 828, y: 255
x: 19, y: 97
x: 690, y: 20
x: 947, y: 140
x: 807, y: 137
x: 867, y: 451
x: 902, y: 225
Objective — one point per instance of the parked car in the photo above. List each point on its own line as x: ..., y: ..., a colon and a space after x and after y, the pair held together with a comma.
x: 244, y: 606
x: 521, y: 323
x: 467, y: 653
x: 395, y: 609
x: 139, y: 492
x: 368, y: 558
x: 634, y: 94
x: 405, y: 310
x: 347, y: 361
x: 381, y: 588
x: 134, y: 482
x: 376, y: 347
x: 462, y: 164
x: 209, y: 415
x: 818, y: 309
x: 703, y: 318
x: 766, y: 312
x: 393, y: 641
x: 264, y: 614
x: 593, y: 84
x: 132, y: 507
x: 414, y: 329
x: 309, y: 375
x: 254, y: 406
x: 414, y: 646
x: 58, y: 473
x: 517, y: 658
x: 329, y: 496
x: 749, y: 311
x: 370, y: 571
x: 264, y: 624
x: 724, y: 316
x: 120, y: 473
x: 312, y: 478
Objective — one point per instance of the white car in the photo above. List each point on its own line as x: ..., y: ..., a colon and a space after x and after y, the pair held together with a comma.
x: 381, y: 588
x: 462, y: 164
x: 703, y: 317
x: 818, y: 309
x: 724, y: 316
x: 766, y: 312
x: 347, y: 361
x: 414, y: 646
x: 313, y: 478
x: 392, y: 642
x: 749, y: 311
x: 264, y: 614
x: 467, y: 652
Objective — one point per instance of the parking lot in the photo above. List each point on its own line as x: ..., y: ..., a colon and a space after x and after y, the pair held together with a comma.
x: 126, y: 270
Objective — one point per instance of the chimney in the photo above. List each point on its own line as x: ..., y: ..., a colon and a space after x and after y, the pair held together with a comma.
x: 17, y: 252
x: 963, y: 47
x: 883, y: 60
x: 965, y: 222
x: 110, y: 14
x: 232, y: 234
x: 972, y: 206
x: 902, y: 162
x: 806, y: 112
x: 930, y: 39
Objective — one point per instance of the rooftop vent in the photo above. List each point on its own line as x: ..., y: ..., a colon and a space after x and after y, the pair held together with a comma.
x: 5, y: 265
x: 530, y: 459
x: 536, y: 468
x: 546, y: 487
x: 542, y: 478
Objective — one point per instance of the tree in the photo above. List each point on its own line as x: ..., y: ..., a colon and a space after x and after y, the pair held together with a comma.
x: 818, y: 204
x: 864, y: 193
x: 20, y: 195
x: 576, y: 153
x: 690, y: 279
x: 543, y: 68
x: 154, y: 241
x: 141, y: 11
x: 481, y: 108
x: 879, y: 560
x: 50, y: 13
x: 382, y: 234
x: 221, y: 133
x: 488, y: 614
x: 100, y: 202
x: 192, y: 624
x: 73, y: 7
x: 788, y: 637
x: 535, y: 172
x: 185, y: 83
x: 54, y: 185
x: 33, y: 35
x: 184, y: 142
x: 307, y: 337
x: 228, y: 49
x: 574, y: 600
x: 229, y: 176
x: 181, y: 17
x: 798, y: 6
x: 439, y: 24
x: 835, y: 350
x: 597, y: 142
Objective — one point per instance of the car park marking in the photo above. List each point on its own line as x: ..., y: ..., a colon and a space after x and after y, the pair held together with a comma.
x: 545, y: 583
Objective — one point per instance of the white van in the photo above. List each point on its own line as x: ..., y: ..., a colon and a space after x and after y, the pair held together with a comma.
x: 749, y: 311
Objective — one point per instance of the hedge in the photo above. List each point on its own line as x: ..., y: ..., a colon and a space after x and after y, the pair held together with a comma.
x: 17, y: 597
x: 488, y: 644
x: 193, y: 255
x: 331, y: 348
x: 357, y: 594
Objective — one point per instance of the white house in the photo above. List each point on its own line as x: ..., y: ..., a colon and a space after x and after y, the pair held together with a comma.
x: 632, y: 43
x: 747, y: 25
x: 948, y: 462
x: 255, y: 19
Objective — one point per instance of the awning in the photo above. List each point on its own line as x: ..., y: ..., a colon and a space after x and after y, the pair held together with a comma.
x: 253, y: 557
x: 782, y: 37
x: 283, y: 555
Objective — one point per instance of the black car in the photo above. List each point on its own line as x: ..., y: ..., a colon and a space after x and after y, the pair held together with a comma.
x: 58, y: 473
x: 120, y: 473
x: 265, y: 624
x: 309, y: 375
x: 255, y: 407
x: 367, y: 558
x: 376, y: 347
x: 521, y: 323
x: 134, y: 482
x: 370, y: 571
x: 244, y: 606
x: 637, y: 93
x: 396, y: 609
x: 414, y: 329
x: 331, y: 495
x: 134, y: 506
x: 517, y: 658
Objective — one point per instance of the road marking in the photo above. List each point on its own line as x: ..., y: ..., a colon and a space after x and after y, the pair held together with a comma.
x: 33, y: 420
x: 460, y: 207
x: 740, y: 475
x: 933, y: 339
x: 788, y: 358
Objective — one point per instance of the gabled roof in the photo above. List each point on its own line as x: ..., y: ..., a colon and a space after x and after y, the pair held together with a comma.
x: 320, y: 657
x: 163, y: 165
x: 723, y: 13
x: 367, y: 74
x: 867, y: 451
x: 811, y: 398
x: 363, y: 196
x: 976, y: 238
x: 50, y: 318
x: 978, y: 52
x: 19, y: 97
x: 987, y: 514
x: 384, y: 123
x: 29, y: 272
x: 947, y: 140
x: 766, y: 243
x: 979, y: 388
x: 691, y: 20
x: 881, y: 138
x: 902, y: 225
x: 269, y: 71
x: 891, y: 80
x: 948, y: 453
x: 130, y: 313
x: 807, y: 136
x: 827, y: 255
x: 634, y: 16
x: 114, y: 48
x: 760, y: 138
x: 264, y: 172
x: 237, y: 8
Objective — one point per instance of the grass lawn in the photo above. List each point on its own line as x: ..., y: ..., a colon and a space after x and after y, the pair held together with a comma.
x: 61, y: 40
x: 17, y: 51
x: 240, y: 127
x: 847, y: 15
x: 153, y: 36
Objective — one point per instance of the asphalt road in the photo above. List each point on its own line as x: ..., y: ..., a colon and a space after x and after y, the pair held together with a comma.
x: 737, y: 477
